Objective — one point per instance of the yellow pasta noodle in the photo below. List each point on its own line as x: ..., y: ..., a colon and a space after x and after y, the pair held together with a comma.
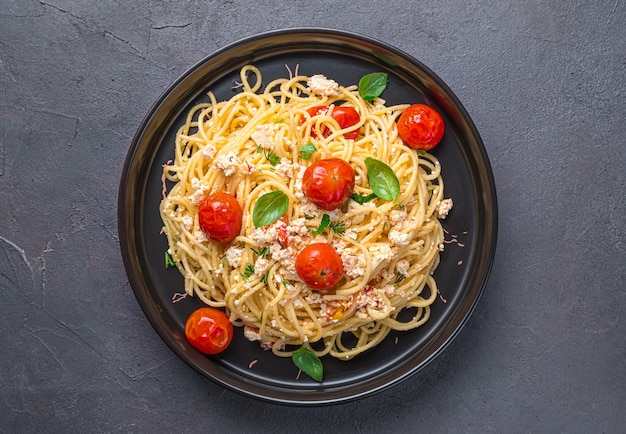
x: 250, y: 145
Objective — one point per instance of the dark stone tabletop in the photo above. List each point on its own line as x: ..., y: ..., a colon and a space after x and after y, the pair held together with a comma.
x: 544, y: 82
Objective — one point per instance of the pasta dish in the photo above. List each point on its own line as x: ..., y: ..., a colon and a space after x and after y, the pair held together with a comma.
x: 256, y: 147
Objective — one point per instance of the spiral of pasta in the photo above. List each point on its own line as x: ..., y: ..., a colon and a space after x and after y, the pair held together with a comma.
x: 252, y: 144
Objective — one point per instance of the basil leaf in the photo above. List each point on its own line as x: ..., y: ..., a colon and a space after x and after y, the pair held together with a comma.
x: 383, y: 180
x: 306, y: 151
x: 309, y: 363
x: 361, y: 199
x: 372, y: 85
x: 323, y: 225
x: 269, y: 208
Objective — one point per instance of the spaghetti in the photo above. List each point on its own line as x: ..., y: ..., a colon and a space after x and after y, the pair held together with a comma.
x: 262, y: 140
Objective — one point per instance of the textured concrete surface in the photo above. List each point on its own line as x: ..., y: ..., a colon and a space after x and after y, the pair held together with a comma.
x: 545, y: 84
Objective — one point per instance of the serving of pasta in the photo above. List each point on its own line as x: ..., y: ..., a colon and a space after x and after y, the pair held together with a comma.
x: 257, y: 147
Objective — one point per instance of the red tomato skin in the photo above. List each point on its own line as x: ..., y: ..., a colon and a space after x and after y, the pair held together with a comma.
x: 220, y: 217
x: 346, y: 116
x: 328, y: 183
x: 421, y: 127
x: 319, y: 266
x: 209, y: 330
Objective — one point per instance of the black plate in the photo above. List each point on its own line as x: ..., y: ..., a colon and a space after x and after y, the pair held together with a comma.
x: 465, y: 264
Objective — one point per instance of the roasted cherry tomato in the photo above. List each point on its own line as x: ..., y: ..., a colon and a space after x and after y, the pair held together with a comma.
x: 319, y: 266
x: 209, y: 330
x: 328, y: 183
x: 421, y: 127
x: 219, y: 217
x: 345, y: 115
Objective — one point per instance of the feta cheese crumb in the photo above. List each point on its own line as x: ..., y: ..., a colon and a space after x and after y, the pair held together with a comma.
x: 321, y: 85
x: 264, y: 135
x: 227, y: 163
x: 399, y: 238
x: 233, y: 256
x: 380, y: 253
x: 260, y: 266
x: 403, y: 267
x: 187, y: 222
x: 284, y: 168
x: 208, y: 152
x: 251, y: 333
x: 444, y: 208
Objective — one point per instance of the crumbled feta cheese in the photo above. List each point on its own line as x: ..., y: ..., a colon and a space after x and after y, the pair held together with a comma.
x: 264, y: 135
x: 227, y: 163
x: 251, y: 333
x: 284, y: 168
x: 321, y: 85
x: 208, y: 152
x: 260, y: 266
x: 399, y: 238
x: 233, y: 256
x: 380, y: 253
x: 354, y: 262
x: 444, y: 208
x: 397, y: 216
x: 197, y: 197
x: 403, y: 267
x: 298, y: 184
x: 187, y: 222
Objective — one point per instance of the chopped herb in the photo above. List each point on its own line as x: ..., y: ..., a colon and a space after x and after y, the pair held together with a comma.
x: 306, y: 151
x: 265, y: 277
x: 309, y: 363
x: 399, y: 278
x: 169, y: 262
x: 323, y: 225
x: 338, y: 227
x: 263, y: 253
x: 372, y: 85
x: 269, y: 155
x: 361, y: 199
x: 247, y: 272
x: 280, y: 121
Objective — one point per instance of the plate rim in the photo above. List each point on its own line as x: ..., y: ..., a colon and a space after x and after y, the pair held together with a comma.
x: 243, y: 386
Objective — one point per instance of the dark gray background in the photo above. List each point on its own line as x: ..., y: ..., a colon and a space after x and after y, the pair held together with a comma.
x: 544, y: 82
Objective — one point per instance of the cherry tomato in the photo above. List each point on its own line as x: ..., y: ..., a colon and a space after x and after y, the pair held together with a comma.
x: 328, y: 183
x: 345, y: 115
x: 209, y: 330
x: 219, y: 217
x: 421, y: 127
x: 319, y: 266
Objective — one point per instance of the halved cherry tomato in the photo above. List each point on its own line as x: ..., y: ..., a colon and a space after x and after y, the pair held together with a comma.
x: 345, y: 115
x: 319, y: 266
x: 421, y: 127
x: 220, y: 216
x: 209, y: 330
x: 328, y: 183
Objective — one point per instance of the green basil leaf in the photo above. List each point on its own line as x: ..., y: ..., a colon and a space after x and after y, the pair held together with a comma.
x: 372, y: 85
x: 306, y: 151
x: 269, y: 208
x: 361, y: 199
x: 323, y: 225
x: 383, y: 180
x: 309, y: 363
